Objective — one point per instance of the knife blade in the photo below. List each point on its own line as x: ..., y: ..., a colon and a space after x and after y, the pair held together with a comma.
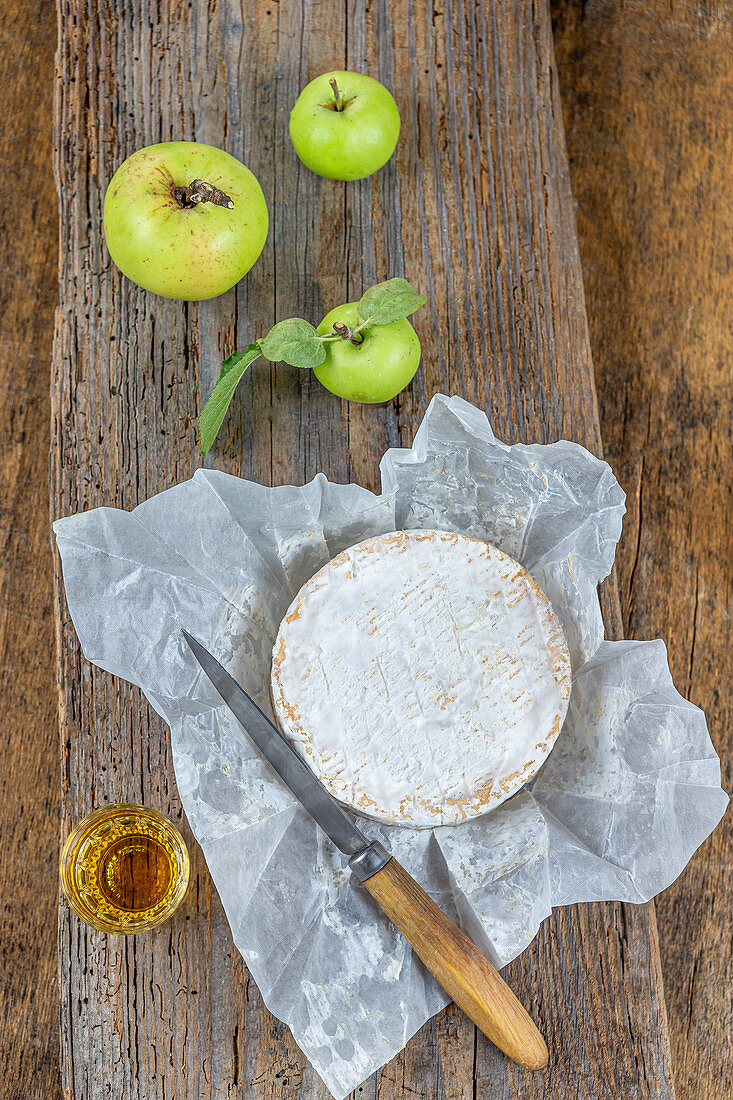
x: 463, y: 971
x: 291, y: 768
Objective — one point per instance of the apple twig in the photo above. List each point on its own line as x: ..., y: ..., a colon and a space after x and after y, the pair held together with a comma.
x: 338, y: 98
x: 198, y: 192
x: 345, y: 333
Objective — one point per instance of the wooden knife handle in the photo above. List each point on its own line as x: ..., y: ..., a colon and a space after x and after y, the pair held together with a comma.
x: 462, y: 970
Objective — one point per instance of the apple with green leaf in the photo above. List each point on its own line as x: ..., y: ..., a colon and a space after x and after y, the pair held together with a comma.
x: 184, y: 220
x: 365, y: 351
x: 374, y: 364
x: 344, y: 126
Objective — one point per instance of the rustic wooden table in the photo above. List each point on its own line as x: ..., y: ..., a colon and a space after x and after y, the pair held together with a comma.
x: 487, y: 229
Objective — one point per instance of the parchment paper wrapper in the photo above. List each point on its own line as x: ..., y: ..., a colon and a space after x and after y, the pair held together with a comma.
x: 627, y: 795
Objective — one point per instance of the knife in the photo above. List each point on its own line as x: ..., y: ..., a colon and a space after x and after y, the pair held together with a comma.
x: 463, y: 971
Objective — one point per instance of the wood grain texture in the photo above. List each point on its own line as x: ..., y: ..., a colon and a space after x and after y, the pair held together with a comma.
x: 476, y: 208
x: 29, y: 791
x: 648, y: 92
x: 461, y: 969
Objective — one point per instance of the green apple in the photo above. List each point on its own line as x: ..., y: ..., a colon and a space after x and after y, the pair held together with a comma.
x: 344, y: 126
x: 184, y: 220
x: 374, y: 370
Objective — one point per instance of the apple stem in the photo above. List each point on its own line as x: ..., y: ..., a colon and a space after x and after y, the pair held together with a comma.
x: 347, y: 333
x: 198, y: 192
x: 339, y: 99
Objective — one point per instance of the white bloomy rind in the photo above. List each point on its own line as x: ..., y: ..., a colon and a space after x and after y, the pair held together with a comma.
x: 423, y: 675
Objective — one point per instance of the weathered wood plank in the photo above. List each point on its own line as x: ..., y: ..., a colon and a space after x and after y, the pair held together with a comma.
x: 648, y: 90
x: 476, y: 209
x: 29, y: 794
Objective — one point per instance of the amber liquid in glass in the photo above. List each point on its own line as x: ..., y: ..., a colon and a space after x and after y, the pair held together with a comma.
x: 124, y: 869
x: 135, y: 872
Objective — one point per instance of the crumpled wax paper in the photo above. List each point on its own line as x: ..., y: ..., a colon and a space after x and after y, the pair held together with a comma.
x: 630, y: 790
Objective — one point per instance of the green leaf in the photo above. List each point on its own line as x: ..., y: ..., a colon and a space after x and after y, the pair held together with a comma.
x: 294, y: 342
x: 387, y: 302
x: 212, y: 415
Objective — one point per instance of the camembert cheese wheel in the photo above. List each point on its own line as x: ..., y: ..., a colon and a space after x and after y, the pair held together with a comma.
x: 423, y: 675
